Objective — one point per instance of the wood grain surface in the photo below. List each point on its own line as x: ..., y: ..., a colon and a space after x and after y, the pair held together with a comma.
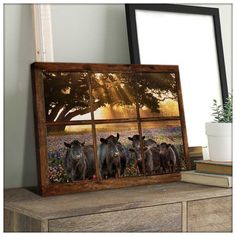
x: 164, y: 207
x: 17, y: 222
x: 210, y: 215
x: 74, y: 67
x: 88, y: 186
x: 107, y: 200
x: 164, y: 218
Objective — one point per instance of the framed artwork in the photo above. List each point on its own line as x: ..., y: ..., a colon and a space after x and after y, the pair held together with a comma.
x: 101, y: 126
x: 189, y: 37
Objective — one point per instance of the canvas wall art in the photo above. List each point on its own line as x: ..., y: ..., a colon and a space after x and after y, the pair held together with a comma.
x: 104, y: 126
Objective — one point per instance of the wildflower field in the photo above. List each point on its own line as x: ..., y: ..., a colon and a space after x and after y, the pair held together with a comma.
x: 57, y: 150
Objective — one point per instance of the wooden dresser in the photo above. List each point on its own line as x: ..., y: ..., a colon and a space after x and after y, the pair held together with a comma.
x: 170, y: 207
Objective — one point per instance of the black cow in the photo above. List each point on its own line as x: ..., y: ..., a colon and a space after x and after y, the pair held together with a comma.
x: 169, y: 157
x: 148, y: 160
x: 136, y: 142
x: 124, y: 155
x: 89, y: 153
x: 113, y: 139
x: 77, y: 165
x: 110, y: 157
x: 124, y: 158
x: 157, y: 167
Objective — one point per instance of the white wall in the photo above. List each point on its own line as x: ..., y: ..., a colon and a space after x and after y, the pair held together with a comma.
x: 90, y: 33
x: 81, y: 33
x: 19, y: 159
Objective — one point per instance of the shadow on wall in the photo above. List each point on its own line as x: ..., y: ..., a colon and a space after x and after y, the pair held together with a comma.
x: 19, y: 145
x: 29, y: 176
x: 116, y: 39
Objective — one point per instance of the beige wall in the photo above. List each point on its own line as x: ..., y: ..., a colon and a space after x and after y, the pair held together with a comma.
x: 81, y: 33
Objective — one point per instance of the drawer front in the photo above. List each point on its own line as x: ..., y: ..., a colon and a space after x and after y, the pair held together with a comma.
x: 17, y: 222
x: 210, y: 215
x: 164, y: 218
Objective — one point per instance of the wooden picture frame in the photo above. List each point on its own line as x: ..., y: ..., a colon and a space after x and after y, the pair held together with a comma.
x: 188, y: 36
x: 82, y: 86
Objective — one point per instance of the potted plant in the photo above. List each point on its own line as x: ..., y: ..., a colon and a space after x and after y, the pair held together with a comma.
x: 219, y: 131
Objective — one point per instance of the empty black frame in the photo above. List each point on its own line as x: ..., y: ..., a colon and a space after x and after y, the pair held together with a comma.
x: 134, y: 46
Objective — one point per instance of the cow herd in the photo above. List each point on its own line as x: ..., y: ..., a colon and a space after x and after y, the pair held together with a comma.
x: 114, y: 158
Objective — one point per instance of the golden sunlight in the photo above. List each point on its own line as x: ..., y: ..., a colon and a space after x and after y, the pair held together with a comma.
x: 168, y: 107
x: 82, y: 129
x: 115, y: 112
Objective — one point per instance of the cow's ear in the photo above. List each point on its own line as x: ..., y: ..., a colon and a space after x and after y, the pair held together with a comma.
x: 145, y: 149
x: 67, y: 145
x: 117, y: 136
x: 82, y: 143
x: 131, y: 139
x: 143, y: 137
x: 103, y: 140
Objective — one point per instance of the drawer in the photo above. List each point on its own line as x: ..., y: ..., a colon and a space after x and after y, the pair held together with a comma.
x: 162, y: 218
x: 17, y: 222
x: 210, y: 215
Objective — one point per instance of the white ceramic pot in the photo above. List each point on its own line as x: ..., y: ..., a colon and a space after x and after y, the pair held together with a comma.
x: 219, y: 141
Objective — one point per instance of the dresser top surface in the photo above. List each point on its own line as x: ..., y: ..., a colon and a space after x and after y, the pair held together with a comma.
x: 27, y: 202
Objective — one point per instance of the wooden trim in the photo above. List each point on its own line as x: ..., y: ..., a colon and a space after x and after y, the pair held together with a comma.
x: 78, y: 67
x: 96, y: 160
x: 139, y: 124
x: 87, y: 186
x: 182, y: 121
x: 112, y: 121
x: 43, y: 32
x: 40, y: 129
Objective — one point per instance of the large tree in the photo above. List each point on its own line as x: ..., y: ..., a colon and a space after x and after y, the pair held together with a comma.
x: 67, y: 94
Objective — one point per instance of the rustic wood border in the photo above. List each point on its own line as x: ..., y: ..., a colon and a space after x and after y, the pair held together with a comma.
x: 48, y: 189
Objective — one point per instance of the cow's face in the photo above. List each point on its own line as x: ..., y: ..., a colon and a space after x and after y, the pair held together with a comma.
x: 113, y: 139
x: 136, y: 141
x: 164, y: 148
x: 113, y: 150
x: 137, y: 153
x: 75, y: 149
x: 112, y: 145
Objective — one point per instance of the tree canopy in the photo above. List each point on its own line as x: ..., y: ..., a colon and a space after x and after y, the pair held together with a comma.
x: 68, y: 94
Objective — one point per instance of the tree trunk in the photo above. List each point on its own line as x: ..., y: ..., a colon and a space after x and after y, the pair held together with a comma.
x: 68, y: 117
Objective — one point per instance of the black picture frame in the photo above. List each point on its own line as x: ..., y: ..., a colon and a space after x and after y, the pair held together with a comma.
x: 134, y: 47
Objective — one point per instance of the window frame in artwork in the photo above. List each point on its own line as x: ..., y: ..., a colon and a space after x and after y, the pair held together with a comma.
x: 41, y: 124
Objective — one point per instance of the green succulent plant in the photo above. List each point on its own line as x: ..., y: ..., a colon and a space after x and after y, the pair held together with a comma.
x: 223, y: 114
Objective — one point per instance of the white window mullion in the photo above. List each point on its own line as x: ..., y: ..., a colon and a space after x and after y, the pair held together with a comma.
x: 43, y: 32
